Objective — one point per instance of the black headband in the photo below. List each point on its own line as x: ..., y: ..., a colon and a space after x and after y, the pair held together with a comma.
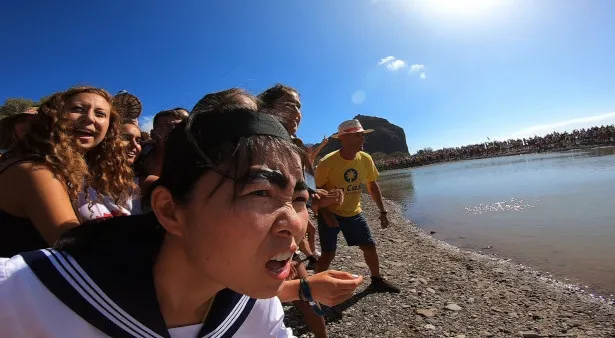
x: 217, y: 128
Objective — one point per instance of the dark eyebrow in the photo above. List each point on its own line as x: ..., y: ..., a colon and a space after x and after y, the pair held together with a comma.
x: 301, y: 186
x: 272, y: 176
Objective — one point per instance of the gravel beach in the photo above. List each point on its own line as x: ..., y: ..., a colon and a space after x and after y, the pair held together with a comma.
x: 448, y: 292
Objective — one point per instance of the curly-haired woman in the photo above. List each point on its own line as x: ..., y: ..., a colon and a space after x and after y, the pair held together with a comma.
x: 73, y: 146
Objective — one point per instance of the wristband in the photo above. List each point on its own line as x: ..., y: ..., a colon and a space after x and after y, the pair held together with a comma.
x: 301, y: 296
x: 306, y: 292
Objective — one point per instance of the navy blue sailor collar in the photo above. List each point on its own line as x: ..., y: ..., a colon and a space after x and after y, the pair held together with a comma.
x: 123, y: 303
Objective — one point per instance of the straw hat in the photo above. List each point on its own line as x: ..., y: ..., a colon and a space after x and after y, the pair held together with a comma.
x: 350, y: 127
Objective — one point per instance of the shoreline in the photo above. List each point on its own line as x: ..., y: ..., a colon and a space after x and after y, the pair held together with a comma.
x: 547, y: 151
x: 495, y: 297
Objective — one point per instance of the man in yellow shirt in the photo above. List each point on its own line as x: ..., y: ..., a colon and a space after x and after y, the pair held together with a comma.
x: 350, y: 169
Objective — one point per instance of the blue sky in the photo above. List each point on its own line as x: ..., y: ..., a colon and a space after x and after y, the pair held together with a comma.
x: 450, y: 72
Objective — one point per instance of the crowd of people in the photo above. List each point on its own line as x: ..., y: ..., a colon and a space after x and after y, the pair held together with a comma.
x: 198, y: 231
x: 591, y: 137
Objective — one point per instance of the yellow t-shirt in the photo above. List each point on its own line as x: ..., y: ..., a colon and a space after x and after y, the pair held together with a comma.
x: 334, y: 172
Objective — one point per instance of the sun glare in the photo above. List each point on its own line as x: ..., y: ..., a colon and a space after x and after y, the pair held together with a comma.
x: 462, y: 7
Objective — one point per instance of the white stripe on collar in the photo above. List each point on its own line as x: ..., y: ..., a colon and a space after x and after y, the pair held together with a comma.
x: 87, y: 288
x: 230, y: 319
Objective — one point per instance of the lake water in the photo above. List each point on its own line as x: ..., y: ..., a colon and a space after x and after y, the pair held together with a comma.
x: 555, y: 211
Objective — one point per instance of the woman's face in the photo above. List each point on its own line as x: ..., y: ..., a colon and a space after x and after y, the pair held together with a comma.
x: 131, y: 140
x: 290, y: 106
x: 23, y: 127
x: 246, y: 242
x: 91, y: 114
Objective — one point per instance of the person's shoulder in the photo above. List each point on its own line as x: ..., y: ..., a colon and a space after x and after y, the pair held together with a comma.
x: 330, y: 157
x: 20, y: 170
x: 29, y: 309
x: 364, y: 155
x: 14, y: 273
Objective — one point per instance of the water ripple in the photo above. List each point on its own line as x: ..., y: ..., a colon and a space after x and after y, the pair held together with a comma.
x: 514, y: 205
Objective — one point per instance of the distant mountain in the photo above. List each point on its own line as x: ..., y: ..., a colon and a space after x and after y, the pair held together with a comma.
x: 387, y: 138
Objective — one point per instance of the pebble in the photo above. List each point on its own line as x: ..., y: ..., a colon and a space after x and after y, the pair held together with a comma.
x: 528, y: 334
x: 453, y: 307
x: 422, y: 280
x: 429, y: 327
x: 537, y: 315
x: 431, y: 290
x: 360, y: 265
x: 425, y: 312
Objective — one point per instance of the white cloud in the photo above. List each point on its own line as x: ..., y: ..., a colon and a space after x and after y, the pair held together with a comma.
x: 386, y: 60
x: 416, y: 67
x: 568, y: 125
x: 396, y: 65
x: 393, y: 64
x: 146, y: 123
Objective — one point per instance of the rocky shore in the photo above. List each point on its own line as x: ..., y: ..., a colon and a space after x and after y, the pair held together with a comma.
x: 448, y: 292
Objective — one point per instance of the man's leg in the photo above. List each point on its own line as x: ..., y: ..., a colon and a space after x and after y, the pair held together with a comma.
x: 357, y: 233
x: 328, y: 244
x: 325, y: 261
x: 311, y: 235
x: 371, y: 258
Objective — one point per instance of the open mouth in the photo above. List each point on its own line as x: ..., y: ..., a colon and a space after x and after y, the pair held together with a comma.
x: 279, y: 265
x: 84, y: 133
x: 131, y: 153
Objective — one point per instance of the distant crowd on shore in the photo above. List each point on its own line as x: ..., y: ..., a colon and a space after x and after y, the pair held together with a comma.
x: 591, y: 137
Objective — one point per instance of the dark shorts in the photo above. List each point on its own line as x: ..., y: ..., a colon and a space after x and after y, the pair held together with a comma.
x: 355, y: 230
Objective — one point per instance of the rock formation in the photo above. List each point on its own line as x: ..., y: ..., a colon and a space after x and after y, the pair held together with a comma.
x: 387, y: 138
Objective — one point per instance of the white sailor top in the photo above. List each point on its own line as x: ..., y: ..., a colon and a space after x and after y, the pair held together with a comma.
x: 48, y: 293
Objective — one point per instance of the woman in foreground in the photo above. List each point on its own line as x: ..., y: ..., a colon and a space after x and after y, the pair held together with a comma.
x: 208, y: 261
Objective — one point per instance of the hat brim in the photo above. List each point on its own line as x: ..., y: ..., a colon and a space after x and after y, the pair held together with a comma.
x: 364, y: 131
x: 128, y: 105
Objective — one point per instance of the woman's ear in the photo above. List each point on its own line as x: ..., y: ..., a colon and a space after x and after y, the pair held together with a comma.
x: 166, y: 210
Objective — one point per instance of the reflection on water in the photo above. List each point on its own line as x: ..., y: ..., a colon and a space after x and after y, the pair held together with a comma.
x: 399, y: 187
x: 513, y: 205
x: 554, y: 211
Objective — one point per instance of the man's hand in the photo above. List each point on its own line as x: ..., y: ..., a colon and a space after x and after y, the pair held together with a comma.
x: 333, y: 287
x: 384, y: 220
x: 323, y: 198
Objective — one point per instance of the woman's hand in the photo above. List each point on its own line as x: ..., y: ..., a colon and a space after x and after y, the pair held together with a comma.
x: 333, y: 287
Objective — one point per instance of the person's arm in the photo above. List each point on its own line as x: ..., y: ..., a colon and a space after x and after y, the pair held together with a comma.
x: 314, y: 151
x: 324, y: 198
x: 43, y: 199
x: 376, y: 194
x: 329, y: 287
